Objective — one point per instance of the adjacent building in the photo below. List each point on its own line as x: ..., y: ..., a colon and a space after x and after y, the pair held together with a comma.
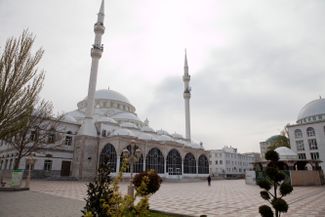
x: 307, y: 135
x: 227, y: 162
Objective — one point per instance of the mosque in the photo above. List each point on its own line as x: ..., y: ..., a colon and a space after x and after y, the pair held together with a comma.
x: 105, y: 126
x: 307, y: 135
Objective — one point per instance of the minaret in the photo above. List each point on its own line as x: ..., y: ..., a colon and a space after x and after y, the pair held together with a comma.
x: 187, y: 96
x: 88, y: 127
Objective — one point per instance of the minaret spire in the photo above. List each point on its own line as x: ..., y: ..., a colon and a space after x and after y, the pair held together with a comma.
x: 88, y: 126
x: 187, y: 96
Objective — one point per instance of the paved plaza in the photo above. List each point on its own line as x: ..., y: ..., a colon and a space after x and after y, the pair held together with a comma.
x: 224, y: 198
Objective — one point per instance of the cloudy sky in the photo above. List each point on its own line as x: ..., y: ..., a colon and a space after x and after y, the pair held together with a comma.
x: 253, y: 64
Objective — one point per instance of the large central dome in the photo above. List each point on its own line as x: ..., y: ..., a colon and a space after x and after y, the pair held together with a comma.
x: 312, y: 111
x: 111, y: 95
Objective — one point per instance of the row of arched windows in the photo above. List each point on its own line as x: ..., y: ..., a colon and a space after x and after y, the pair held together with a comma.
x: 155, y: 160
x: 310, y: 132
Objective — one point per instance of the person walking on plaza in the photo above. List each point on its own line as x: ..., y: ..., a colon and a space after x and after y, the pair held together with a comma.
x: 209, y: 180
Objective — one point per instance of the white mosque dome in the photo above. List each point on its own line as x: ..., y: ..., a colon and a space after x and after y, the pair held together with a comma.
x: 111, y: 95
x: 286, y: 153
x: 312, y: 111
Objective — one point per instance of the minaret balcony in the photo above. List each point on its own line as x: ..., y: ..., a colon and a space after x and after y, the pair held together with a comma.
x: 96, y: 52
x: 99, y: 28
x: 186, y: 77
x: 187, y: 94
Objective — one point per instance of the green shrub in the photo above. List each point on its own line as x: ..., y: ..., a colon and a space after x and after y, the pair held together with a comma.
x: 151, y: 179
x: 274, y: 178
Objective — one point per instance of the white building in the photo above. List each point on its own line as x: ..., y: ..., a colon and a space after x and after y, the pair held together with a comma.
x: 307, y: 136
x: 226, y: 162
x: 103, y: 125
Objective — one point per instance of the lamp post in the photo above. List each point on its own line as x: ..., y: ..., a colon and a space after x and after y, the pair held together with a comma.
x: 132, y: 157
x: 30, y: 161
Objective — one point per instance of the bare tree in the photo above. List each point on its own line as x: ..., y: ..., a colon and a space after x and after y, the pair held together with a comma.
x: 20, y: 83
x: 40, y: 129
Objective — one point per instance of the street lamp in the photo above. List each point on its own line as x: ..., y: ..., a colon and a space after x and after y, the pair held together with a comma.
x: 30, y: 161
x: 132, y: 157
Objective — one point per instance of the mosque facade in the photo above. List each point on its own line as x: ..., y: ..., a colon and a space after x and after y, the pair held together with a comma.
x: 307, y: 135
x: 104, y: 126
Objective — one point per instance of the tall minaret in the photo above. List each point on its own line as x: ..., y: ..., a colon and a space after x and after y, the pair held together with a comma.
x: 88, y: 127
x: 187, y: 96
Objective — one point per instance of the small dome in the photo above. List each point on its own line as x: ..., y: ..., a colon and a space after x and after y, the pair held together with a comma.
x: 123, y: 132
x: 147, y: 129
x: 144, y: 136
x: 165, y: 138
x: 129, y: 125
x: 286, y: 153
x: 105, y: 119
x: 126, y: 116
x: 69, y: 118
x: 177, y: 136
x: 272, y: 139
x: 312, y: 109
x: 162, y: 132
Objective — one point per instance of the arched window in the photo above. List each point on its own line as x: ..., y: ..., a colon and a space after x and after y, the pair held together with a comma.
x: 138, y: 165
x: 109, y: 154
x: 203, y: 165
x: 189, y: 164
x: 155, y: 160
x: 298, y: 133
x: 310, y: 131
x: 174, y: 163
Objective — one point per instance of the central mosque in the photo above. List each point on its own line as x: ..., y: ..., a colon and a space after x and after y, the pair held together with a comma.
x: 105, y: 124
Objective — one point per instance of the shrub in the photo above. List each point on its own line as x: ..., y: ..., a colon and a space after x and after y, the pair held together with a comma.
x: 152, y: 181
x: 274, y: 178
x: 98, y: 192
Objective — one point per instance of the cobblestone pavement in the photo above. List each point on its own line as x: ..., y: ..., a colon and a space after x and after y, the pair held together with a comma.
x: 35, y: 204
x: 224, y: 198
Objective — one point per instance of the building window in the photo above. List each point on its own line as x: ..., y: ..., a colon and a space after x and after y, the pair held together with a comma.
x: 104, y: 133
x: 203, y: 166
x: 216, y: 162
x: 155, y: 160
x: 33, y: 135
x: 302, y: 156
x: 189, y: 164
x: 312, y: 144
x: 314, y: 156
x: 174, y: 163
x: 298, y: 133
x: 47, y: 165
x: 310, y: 131
x: 300, y: 145
x: 108, y: 155
x: 68, y: 139
x: 220, y: 162
x: 51, y: 137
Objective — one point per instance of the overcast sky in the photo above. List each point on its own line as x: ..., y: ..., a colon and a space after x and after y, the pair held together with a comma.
x: 253, y: 64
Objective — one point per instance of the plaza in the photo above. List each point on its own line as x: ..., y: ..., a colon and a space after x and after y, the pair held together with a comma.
x: 224, y: 198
